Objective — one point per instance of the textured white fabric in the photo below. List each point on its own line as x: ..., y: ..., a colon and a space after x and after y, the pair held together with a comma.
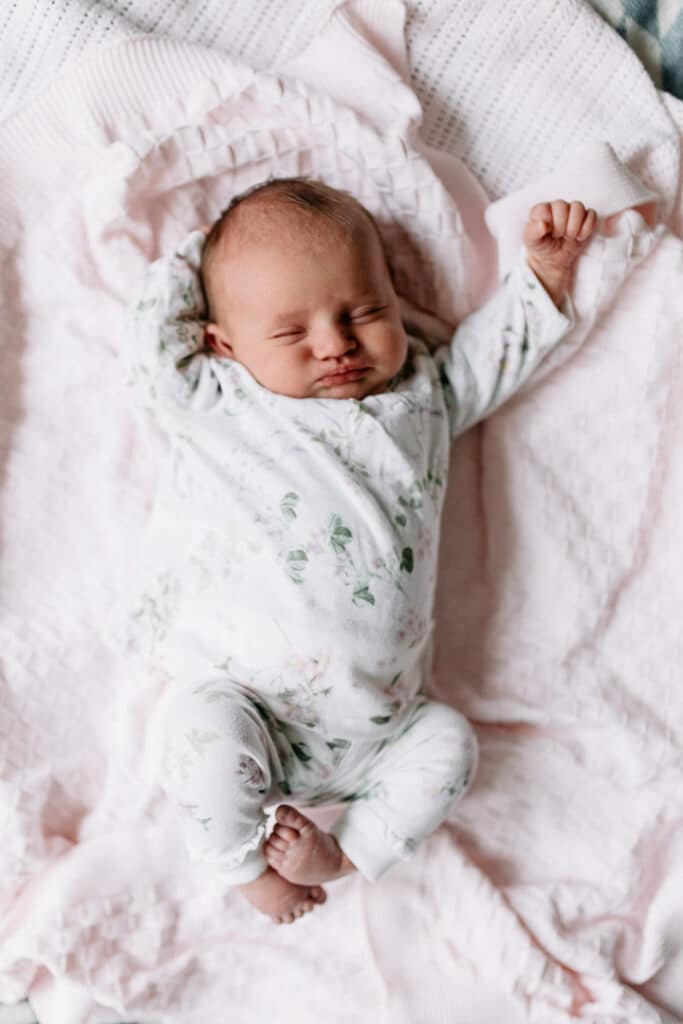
x: 564, y: 509
x: 465, y: 70
x: 39, y: 39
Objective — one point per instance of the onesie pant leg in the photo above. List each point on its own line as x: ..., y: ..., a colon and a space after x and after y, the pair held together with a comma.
x: 407, y: 787
x: 218, y: 763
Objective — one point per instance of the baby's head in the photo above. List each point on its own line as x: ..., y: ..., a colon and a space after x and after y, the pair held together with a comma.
x: 300, y: 293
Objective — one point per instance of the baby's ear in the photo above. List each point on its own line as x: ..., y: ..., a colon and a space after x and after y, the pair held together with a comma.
x: 216, y: 340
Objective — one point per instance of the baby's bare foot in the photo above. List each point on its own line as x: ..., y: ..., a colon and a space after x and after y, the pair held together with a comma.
x: 280, y: 899
x: 301, y: 852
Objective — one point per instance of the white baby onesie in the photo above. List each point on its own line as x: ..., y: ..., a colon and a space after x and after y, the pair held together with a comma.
x: 293, y: 544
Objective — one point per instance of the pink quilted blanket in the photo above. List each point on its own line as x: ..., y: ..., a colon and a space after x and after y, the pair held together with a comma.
x: 560, y: 592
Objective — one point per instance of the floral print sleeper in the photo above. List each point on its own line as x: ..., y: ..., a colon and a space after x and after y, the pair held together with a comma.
x: 288, y: 580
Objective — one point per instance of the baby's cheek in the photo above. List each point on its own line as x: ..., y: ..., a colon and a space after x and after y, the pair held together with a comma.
x: 399, y: 346
x: 385, y: 340
x: 297, y: 367
x: 271, y: 368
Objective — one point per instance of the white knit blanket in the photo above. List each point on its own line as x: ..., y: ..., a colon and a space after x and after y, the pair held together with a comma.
x: 560, y: 587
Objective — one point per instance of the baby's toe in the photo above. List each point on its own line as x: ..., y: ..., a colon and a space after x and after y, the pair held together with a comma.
x: 317, y: 893
x: 275, y: 842
x: 287, y: 815
x: 273, y: 857
x: 285, y: 832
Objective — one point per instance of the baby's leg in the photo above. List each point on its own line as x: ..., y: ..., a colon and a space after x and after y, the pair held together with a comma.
x: 405, y: 791
x: 217, y: 766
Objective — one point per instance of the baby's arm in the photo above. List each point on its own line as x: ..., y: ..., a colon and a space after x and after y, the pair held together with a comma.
x: 164, y: 345
x: 496, y: 349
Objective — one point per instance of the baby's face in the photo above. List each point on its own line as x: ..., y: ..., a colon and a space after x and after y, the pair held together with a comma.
x: 311, y: 313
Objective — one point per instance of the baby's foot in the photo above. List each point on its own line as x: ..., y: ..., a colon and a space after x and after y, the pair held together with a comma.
x: 279, y: 898
x: 301, y: 852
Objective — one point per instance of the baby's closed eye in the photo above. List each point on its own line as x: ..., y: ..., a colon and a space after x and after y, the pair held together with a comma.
x: 362, y: 315
x: 367, y: 313
x: 289, y: 334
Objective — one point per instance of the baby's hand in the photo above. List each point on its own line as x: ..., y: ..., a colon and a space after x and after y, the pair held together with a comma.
x: 554, y: 236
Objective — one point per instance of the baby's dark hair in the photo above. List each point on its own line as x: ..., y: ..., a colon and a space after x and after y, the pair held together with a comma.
x: 303, y: 194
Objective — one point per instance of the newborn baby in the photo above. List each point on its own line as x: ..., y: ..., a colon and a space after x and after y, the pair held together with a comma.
x: 292, y: 551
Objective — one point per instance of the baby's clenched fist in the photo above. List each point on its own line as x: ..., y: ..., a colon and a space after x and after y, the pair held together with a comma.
x: 554, y: 236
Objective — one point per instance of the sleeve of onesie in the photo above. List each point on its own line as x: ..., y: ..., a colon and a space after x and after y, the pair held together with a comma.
x: 166, y: 360
x: 496, y: 349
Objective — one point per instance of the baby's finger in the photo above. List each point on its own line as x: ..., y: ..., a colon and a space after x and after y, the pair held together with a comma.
x: 577, y: 213
x: 537, y: 229
x: 589, y: 224
x: 539, y: 223
x: 560, y: 217
x: 541, y: 211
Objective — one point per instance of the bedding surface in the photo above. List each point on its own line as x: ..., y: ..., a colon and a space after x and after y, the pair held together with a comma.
x: 558, y: 629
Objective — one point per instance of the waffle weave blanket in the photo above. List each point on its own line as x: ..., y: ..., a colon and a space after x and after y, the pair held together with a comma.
x: 560, y: 583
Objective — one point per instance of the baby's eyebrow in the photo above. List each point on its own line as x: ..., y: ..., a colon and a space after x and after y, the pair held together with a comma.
x: 287, y: 318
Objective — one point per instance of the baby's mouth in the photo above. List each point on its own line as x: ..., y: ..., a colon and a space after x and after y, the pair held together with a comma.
x: 343, y: 375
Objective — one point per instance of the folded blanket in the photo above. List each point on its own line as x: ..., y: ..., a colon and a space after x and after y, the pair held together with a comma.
x: 558, y: 624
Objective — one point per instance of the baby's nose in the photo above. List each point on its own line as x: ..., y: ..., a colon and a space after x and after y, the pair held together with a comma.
x: 333, y: 339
